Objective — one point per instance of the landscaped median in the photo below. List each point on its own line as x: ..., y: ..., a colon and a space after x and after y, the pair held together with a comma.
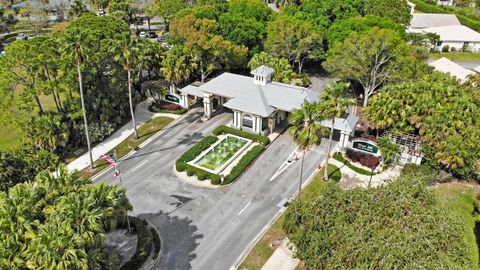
x: 145, y: 131
x: 223, y: 156
x: 339, y: 157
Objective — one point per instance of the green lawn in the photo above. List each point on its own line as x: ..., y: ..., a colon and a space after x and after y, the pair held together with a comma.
x: 458, y: 56
x: 9, y: 138
x: 460, y: 199
x: 264, y: 247
x: 145, y: 131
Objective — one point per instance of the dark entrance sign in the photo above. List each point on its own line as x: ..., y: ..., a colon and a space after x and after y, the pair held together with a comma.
x: 365, y: 146
x: 172, y: 98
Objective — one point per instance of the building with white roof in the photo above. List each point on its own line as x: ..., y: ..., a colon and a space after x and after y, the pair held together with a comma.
x: 428, y: 20
x: 258, y: 104
x: 446, y: 66
x: 456, y: 37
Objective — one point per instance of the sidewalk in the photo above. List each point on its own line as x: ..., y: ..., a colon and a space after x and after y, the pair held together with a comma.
x: 352, y: 179
x: 142, y: 115
x: 282, y: 258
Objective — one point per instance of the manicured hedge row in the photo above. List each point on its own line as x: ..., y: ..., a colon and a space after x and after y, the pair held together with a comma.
x: 144, y: 244
x: 182, y: 165
x: 420, y: 5
x: 243, y: 164
x: 264, y: 140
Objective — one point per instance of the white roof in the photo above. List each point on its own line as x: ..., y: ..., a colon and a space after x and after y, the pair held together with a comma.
x: 192, y: 90
x: 347, y: 124
x: 446, y: 66
x: 262, y: 71
x: 245, y: 96
x: 452, y: 33
x: 428, y: 20
x: 477, y: 69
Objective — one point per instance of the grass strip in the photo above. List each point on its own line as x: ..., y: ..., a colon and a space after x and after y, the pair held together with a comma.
x: 458, y: 56
x: 146, y: 131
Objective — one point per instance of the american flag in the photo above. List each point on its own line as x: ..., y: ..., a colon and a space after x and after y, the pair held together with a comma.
x: 109, y: 159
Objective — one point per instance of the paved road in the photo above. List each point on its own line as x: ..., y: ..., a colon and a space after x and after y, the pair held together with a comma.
x: 207, y: 228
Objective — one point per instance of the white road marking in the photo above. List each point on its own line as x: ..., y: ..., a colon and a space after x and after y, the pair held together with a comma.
x: 245, y: 207
x: 139, y: 165
x: 285, y: 164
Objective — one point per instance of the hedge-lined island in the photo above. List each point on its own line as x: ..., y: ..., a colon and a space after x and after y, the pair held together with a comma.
x: 221, y: 157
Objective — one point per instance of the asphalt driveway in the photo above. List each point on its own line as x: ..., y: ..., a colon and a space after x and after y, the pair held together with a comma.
x: 207, y: 228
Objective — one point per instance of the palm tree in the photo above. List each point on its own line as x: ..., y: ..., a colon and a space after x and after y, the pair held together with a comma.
x: 333, y: 105
x: 125, y: 51
x: 75, y: 49
x: 178, y: 65
x: 306, y: 130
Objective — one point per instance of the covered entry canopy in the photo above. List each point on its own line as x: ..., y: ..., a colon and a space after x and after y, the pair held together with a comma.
x: 345, y: 125
x: 192, y: 91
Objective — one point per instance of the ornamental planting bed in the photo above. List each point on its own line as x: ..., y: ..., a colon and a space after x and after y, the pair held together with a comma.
x: 215, y: 154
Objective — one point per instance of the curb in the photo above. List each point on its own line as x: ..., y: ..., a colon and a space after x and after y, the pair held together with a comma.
x: 161, y: 243
x: 147, y: 141
x: 264, y: 230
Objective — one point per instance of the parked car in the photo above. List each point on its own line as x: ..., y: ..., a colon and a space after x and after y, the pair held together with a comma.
x: 143, y: 34
x: 30, y: 36
x: 101, y: 12
x: 152, y: 35
x: 21, y: 36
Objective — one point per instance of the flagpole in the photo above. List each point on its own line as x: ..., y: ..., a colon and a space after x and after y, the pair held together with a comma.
x: 117, y: 162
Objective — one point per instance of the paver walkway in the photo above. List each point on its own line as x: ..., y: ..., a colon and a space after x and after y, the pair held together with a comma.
x: 142, y: 115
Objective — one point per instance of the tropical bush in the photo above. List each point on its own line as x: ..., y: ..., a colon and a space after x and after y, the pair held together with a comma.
x: 355, y: 228
x: 389, y: 150
x: 47, y: 132
x: 58, y: 222
x: 264, y: 140
x: 23, y: 164
x: 339, y: 157
x: 167, y: 107
x: 243, y: 164
x: 363, y: 158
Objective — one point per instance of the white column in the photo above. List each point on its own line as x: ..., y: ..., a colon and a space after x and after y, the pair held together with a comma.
x: 258, y: 124
x: 207, y: 105
x: 271, y: 123
x: 237, y: 119
x: 184, y: 101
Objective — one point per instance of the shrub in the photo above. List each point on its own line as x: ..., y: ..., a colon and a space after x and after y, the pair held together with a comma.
x: 242, y: 165
x: 264, y: 140
x: 369, y: 161
x: 167, y: 107
x: 144, y: 244
x: 446, y: 48
x: 339, y: 157
x: 201, y: 175
x: 215, y: 179
x: 198, y: 148
x: 190, y: 170
x: 180, y: 166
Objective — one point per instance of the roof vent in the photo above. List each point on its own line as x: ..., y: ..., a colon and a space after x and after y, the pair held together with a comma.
x: 262, y: 75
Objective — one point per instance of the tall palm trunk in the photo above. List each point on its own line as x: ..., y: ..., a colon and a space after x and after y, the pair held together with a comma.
x: 301, y: 175
x: 129, y: 74
x: 80, y: 83
x: 325, y: 176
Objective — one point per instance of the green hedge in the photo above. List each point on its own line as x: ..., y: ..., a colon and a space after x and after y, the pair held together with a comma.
x: 339, y: 157
x: 196, y: 150
x: 431, y: 8
x: 181, y: 164
x: 243, y: 164
x: 264, y: 140
x: 144, y: 244
x: 179, y: 112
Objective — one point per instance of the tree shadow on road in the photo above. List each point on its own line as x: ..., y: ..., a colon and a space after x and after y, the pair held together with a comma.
x: 178, y: 240
x: 187, y: 139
